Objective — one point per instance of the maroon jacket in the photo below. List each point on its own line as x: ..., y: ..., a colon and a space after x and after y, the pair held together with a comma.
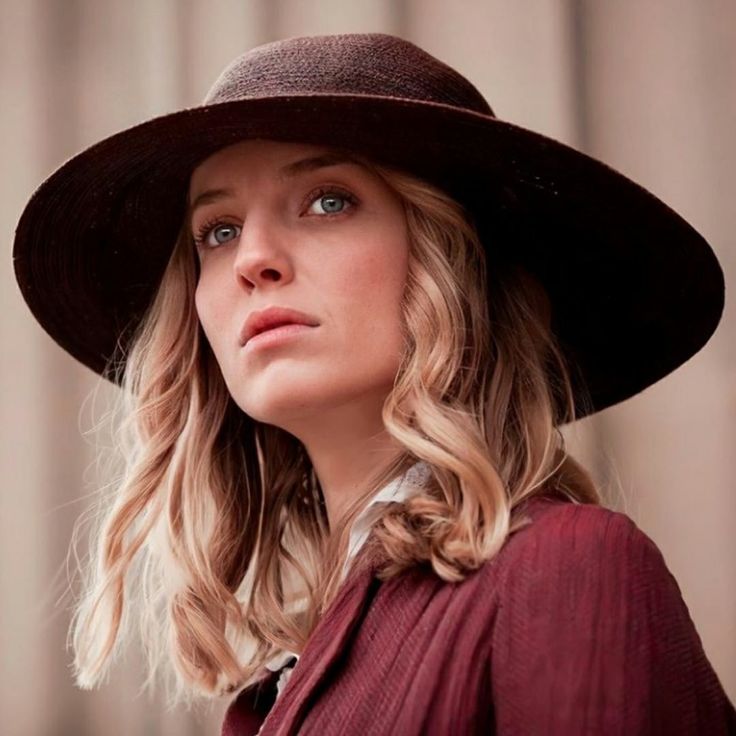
x: 575, y: 627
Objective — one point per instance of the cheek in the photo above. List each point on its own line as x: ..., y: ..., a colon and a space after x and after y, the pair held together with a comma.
x: 384, y: 274
x: 207, y: 308
x: 373, y: 292
x: 200, y: 305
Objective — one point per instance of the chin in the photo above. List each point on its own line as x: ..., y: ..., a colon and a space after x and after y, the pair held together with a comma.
x: 277, y: 411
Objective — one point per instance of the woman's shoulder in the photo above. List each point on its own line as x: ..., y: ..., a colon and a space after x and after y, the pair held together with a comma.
x: 555, y: 511
x: 562, y: 530
x: 585, y: 554
x: 591, y: 620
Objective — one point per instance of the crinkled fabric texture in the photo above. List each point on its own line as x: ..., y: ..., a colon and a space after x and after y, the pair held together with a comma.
x: 576, y: 627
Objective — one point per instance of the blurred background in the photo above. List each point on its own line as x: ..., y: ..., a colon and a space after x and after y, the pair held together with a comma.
x: 649, y: 86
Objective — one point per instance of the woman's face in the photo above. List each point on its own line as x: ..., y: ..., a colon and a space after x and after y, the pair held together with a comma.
x: 326, y: 238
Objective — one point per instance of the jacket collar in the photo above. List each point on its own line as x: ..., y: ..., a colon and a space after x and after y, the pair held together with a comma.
x: 330, y: 638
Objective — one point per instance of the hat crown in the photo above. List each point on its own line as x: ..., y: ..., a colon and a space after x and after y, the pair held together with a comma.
x: 377, y: 64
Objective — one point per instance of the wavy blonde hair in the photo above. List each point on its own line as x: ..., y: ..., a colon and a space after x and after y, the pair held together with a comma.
x: 215, y: 536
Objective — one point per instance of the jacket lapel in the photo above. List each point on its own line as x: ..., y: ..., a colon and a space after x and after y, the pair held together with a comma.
x: 330, y: 638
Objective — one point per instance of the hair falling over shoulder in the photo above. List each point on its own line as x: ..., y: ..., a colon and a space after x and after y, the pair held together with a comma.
x: 214, y: 536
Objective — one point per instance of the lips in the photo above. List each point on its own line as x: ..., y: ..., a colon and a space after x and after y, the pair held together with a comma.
x: 271, y: 317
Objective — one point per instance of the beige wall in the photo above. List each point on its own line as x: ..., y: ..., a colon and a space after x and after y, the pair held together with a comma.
x: 648, y: 86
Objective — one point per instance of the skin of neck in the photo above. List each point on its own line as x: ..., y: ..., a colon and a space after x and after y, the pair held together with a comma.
x: 347, y: 447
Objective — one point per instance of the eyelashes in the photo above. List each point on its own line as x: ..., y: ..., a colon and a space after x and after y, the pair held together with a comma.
x: 202, y: 232
x: 204, y: 229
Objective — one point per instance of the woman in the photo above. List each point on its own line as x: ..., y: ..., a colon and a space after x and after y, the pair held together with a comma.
x: 348, y: 310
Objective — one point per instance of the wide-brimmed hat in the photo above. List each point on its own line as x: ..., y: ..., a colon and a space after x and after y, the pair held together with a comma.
x: 634, y: 290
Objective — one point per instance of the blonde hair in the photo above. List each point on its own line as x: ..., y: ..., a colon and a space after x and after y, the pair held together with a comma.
x: 215, y: 537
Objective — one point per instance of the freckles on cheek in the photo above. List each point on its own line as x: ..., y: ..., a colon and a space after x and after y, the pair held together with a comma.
x: 373, y: 270
x: 381, y: 277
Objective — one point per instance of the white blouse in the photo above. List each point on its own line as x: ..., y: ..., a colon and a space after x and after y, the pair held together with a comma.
x: 398, y: 489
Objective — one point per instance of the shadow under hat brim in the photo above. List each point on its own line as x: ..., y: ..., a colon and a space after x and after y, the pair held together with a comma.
x: 635, y: 290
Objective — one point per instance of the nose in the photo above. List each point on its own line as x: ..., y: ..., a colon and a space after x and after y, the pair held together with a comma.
x: 260, y: 257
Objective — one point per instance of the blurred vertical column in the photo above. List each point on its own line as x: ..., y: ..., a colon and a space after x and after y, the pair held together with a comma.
x: 660, y: 104
x: 25, y: 444
x: 315, y: 17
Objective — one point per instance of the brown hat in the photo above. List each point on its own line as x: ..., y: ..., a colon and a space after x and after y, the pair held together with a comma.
x: 635, y: 291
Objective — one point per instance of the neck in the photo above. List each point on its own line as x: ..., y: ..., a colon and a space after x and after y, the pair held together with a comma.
x: 347, y: 449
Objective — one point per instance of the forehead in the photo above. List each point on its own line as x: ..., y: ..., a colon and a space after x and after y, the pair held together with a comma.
x: 282, y: 159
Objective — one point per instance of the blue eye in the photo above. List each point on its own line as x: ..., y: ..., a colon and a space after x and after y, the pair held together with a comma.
x: 225, y: 227
x: 214, y: 226
x: 333, y: 201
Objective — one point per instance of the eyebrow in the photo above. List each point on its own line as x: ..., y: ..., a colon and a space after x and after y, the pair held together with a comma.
x: 289, y: 171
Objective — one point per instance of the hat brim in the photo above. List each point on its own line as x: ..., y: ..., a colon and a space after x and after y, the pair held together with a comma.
x: 635, y: 290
